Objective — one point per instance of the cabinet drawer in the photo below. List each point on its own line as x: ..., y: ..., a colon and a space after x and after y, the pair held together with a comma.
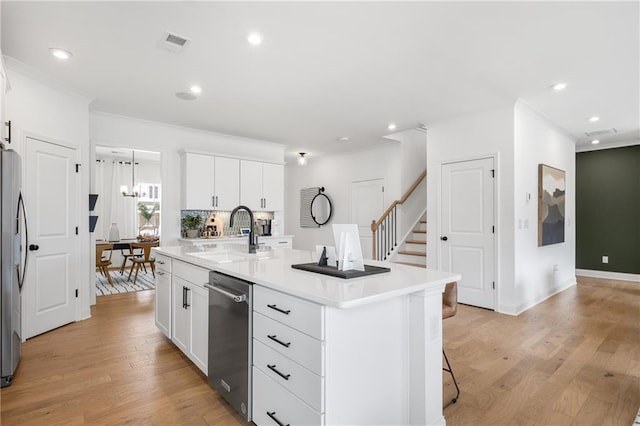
x: 193, y: 274
x: 303, y: 383
x: 299, y: 347
x: 163, y: 263
x: 300, y: 314
x: 271, y: 398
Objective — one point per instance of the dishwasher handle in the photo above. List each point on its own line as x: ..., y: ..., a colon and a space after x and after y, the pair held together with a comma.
x: 238, y: 298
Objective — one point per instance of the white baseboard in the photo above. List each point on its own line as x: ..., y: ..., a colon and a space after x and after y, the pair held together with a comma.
x: 517, y: 310
x: 608, y: 275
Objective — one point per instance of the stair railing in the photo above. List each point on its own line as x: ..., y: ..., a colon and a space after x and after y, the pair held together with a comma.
x: 384, y: 230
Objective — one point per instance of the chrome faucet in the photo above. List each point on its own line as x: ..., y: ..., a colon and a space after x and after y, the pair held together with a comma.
x: 253, y: 244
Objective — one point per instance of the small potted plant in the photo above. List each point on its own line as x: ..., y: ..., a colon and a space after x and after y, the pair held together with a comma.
x: 192, y: 224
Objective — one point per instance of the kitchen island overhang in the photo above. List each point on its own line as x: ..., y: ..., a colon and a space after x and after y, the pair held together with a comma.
x: 381, y: 335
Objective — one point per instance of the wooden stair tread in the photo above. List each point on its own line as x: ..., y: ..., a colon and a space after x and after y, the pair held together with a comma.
x: 412, y: 253
x: 411, y: 264
x: 420, y: 232
x: 415, y: 242
x: 423, y: 221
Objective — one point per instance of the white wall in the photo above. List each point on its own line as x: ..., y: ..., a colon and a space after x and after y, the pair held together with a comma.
x: 336, y: 173
x: 541, y: 271
x: 116, y: 131
x: 483, y: 134
x: 38, y: 110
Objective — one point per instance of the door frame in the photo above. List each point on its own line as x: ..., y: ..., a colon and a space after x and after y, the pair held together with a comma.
x: 77, y: 271
x: 496, y: 214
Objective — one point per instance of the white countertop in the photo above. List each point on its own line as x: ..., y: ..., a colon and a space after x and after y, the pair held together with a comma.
x: 272, y: 269
x: 230, y: 238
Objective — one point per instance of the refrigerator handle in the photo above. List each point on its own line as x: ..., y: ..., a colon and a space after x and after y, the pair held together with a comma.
x: 26, y: 237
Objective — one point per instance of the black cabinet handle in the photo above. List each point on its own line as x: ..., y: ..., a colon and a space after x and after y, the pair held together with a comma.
x: 273, y: 417
x: 275, y: 308
x: 33, y: 247
x: 274, y: 338
x: 444, y: 238
x: 8, y: 124
x: 273, y: 368
x: 186, y: 297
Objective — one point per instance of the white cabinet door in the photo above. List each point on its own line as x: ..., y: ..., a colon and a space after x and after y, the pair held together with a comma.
x: 181, y: 316
x: 251, y: 184
x: 3, y: 88
x: 227, y: 183
x: 199, y: 311
x: 273, y: 187
x: 197, y: 187
x: 163, y: 302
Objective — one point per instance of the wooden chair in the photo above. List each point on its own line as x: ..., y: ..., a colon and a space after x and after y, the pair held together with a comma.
x: 143, y: 259
x: 449, y: 309
x: 129, y: 253
x: 103, y: 260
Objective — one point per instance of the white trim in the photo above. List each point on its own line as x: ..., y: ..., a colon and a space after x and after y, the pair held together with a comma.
x: 605, y: 145
x: 517, y: 310
x: 608, y: 275
x: 25, y: 70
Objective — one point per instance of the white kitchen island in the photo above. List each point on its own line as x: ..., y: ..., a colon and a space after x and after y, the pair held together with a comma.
x: 363, y: 351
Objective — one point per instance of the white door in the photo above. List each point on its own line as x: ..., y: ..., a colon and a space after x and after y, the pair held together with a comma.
x: 53, y: 207
x: 467, y: 233
x: 273, y: 186
x: 199, y: 311
x: 181, y: 320
x: 227, y: 183
x: 367, y: 205
x: 251, y: 184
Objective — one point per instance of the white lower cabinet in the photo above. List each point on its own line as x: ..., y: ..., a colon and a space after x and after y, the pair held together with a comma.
x: 288, y: 360
x: 163, y: 294
x: 191, y: 312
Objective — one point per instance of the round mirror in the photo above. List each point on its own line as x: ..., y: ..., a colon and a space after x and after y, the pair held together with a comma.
x: 321, y: 209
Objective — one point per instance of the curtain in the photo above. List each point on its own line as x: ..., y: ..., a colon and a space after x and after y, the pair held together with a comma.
x: 112, y: 206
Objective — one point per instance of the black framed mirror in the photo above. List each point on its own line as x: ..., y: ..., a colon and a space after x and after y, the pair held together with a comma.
x: 321, y: 208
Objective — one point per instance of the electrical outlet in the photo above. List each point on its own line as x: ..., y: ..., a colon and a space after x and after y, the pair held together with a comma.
x: 605, y: 259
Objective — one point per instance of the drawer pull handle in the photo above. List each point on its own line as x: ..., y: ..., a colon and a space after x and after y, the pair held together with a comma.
x: 159, y: 272
x: 275, y: 419
x: 274, y: 338
x: 275, y: 308
x: 161, y: 262
x: 273, y: 368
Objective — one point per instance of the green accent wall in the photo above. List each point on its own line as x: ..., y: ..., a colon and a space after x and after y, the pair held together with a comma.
x: 608, y: 209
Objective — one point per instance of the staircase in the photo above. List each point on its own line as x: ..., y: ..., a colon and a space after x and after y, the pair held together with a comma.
x: 413, y: 251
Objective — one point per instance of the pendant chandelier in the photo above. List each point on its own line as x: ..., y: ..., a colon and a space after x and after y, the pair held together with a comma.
x: 134, y: 189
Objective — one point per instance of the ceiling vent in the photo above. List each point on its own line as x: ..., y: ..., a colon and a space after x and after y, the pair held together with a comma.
x: 174, y: 42
x: 603, y: 132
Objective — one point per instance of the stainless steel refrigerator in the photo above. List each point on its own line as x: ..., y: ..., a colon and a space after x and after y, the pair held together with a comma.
x: 13, y: 263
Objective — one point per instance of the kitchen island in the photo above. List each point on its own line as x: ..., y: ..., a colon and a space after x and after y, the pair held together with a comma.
x: 360, y: 351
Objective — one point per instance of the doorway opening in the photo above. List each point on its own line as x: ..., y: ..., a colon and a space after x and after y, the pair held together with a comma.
x: 128, y: 186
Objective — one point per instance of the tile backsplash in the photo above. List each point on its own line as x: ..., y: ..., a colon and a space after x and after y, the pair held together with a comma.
x: 241, y: 220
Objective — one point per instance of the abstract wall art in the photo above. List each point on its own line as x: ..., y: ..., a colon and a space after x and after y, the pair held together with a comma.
x: 551, y: 205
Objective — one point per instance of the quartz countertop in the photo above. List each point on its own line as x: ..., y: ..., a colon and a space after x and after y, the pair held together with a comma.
x: 272, y: 269
x: 230, y: 238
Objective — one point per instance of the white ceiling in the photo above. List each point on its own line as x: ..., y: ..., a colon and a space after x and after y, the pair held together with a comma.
x: 327, y: 70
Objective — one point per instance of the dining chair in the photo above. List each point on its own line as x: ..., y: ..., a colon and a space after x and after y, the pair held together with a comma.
x: 103, y: 259
x: 143, y: 259
x: 128, y: 253
x: 449, y: 309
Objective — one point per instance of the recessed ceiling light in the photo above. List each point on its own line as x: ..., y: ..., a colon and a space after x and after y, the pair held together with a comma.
x: 60, y: 53
x: 595, y: 142
x: 391, y: 126
x: 196, y: 90
x: 559, y: 86
x: 594, y: 118
x: 343, y: 139
x: 255, y: 38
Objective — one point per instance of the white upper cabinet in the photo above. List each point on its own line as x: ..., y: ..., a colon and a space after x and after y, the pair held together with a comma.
x: 262, y: 185
x: 210, y: 183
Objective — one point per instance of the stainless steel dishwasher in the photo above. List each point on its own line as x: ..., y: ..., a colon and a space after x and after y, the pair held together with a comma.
x: 230, y: 339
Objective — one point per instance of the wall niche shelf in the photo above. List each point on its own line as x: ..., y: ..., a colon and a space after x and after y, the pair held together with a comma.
x: 93, y: 220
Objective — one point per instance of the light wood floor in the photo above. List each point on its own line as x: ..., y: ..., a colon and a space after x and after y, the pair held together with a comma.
x: 574, y: 359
